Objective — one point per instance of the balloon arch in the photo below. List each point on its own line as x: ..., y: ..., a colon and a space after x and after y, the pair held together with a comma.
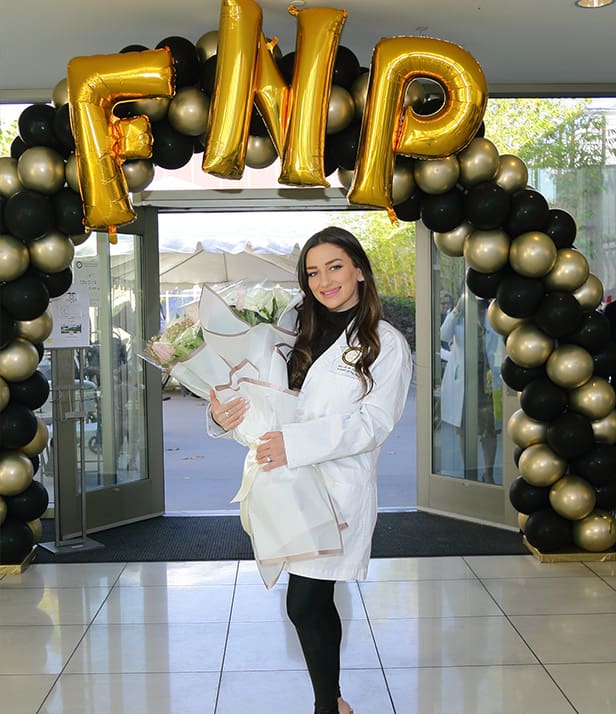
x: 520, y: 255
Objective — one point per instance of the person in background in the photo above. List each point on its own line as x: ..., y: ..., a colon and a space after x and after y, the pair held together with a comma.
x: 353, y: 371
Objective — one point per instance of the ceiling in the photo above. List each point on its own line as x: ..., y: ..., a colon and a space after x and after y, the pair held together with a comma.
x: 515, y: 41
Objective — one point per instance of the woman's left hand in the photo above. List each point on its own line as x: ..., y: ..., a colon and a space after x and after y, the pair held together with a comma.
x: 271, y: 452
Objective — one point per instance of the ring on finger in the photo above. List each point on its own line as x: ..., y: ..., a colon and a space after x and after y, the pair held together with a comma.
x: 269, y: 459
x: 227, y: 413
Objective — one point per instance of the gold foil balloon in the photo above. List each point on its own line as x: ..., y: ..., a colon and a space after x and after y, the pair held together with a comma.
x: 5, y: 394
x: 189, y: 111
x: 9, y: 180
x: 37, y: 330
x: 528, y: 346
x: 340, y: 110
x: 436, y: 176
x: 139, y: 174
x: 16, y: 472
x: 345, y: 176
x: 359, y: 92
x: 569, y: 273
x: 594, y: 399
x: 512, y: 174
x: 478, y: 162
x: 396, y: 62
x: 18, y: 360
x: 590, y: 294
x: 452, y: 242
x: 487, y: 251
x: 572, y: 497
x: 604, y: 429
x: 155, y: 108
x: 500, y: 321
x: 532, y: 254
x: 3, y: 510
x: 540, y: 466
x: 52, y: 252
x: 70, y: 173
x: 260, y: 152
x: 596, y: 533
x: 207, y: 45
x: 59, y: 94
x: 524, y: 431
x: 36, y: 526
x: 41, y: 169
x: 402, y: 184
x: 39, y: 442
x: 95, y: 85
x: 14, y: 258
x: 570, y: 366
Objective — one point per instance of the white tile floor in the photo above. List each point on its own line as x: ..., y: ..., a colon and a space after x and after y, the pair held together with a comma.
x: 459, y: 635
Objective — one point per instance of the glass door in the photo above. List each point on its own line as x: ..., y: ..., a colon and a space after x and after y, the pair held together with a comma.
x: 107, y: 424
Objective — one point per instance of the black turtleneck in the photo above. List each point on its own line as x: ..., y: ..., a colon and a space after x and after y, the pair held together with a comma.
x: 334, y: 323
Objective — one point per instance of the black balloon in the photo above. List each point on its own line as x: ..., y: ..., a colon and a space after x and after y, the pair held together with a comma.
x: 529, y: 212
x: 444, y: 211
x: 559, y: 314
x: 32, y: 392
x: 570, y: 435
x: 518, y: 296
x: 518, y: 377
x: 605, y: 362
x: 25, y: 298
x: 40, y: 348
x: 133, y: 48
x: 527, y: 498
x: 36, y: 463
x: 560, y: 227
x: 171, y: 150
x: 543, y: 400
x: 547, y: 531
x: 346, y: 68
x: 18, y: 146
x: 517, y: 452
x: 18, y: 426
x: 329, y: 159
x: 29, y: 504
x: 606, y: 496
x: 286, y: 65
x: 593, y: 334
x: 56, y: 283
x: 410, y: 210
x: 484, y: 285
x: 36, y: 125
x: 16, y: 541
x: 7, y: 327
x: 29, y: 215
x: 345, y: 145
x: 2, y: 226
x: 185, y: 60
x: 257, y: 125
x: 62, y: 129
x: 207, y: 75
x: 68, y: 211
x: 598, y: 465
x: 487, y: 205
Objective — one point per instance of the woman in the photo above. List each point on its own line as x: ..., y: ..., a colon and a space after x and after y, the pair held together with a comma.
x: 353, y: 370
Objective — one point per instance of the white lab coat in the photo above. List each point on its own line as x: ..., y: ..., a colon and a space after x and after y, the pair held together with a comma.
x: 342, y: 434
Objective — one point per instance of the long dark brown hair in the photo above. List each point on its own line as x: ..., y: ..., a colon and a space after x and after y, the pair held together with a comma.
x: 361, y: 332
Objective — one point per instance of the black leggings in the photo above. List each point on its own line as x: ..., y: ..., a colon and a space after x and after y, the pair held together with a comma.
x: 311, y: 608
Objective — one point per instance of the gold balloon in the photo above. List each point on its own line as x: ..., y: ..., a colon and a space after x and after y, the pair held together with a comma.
x: 590, y: 294
x: 139, y: 174
x: 39, y: 441
x: 16, y: 472
x: 522, y: 518
x: 532, y: 254
x: 570, y: 366
x: 5, y: 394
x: 436, y: 176
x: 37, y: 330
x: 500, y: 321
x: 260, y: 152
x: 36, y: 526
x: 14, y: 258
x: 512, y: 174
x: 572, y: 497
x: 9, y: 180
x: 52, y: 252
x: 452, y: 242
x: 95, y: 85
x: 207, y: 45
x: 540, y: 466
x: 604, y: 429
x: 155, y: 108
x: 359, y: 92
x: 18, y: 360
x: 59, y: 94
x: 402, y: 184
x: 594, y: 399
x: 524, y: 431
x: 70, y: 173
x: 396, y: 62
x: 3, y: 510
x: 569, y: 273
x: 340, y: 110
x: 487, y: 251
x: 478, y: 162
x: 41, y: 168
x: 189, y: 111
x: 345, y: 176
x: 596, y: 533
x: 528, y: 346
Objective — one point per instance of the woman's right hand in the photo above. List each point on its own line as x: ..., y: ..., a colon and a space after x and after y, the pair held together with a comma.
x: 229, y: 414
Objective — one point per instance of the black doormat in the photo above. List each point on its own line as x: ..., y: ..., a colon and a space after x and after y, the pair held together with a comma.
x: 170, y: 538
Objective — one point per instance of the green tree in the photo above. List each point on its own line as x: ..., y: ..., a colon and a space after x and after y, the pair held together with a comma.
x: 8, y: 131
